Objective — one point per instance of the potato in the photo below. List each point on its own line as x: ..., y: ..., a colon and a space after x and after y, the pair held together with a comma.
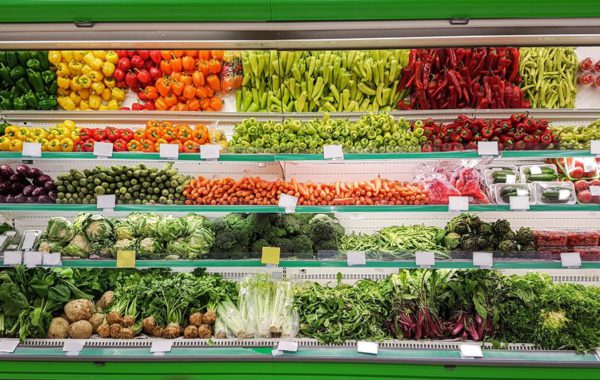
x: 96, y: 320
x: 59, y: 328
x: 80, y: 330
x: 79, y: 310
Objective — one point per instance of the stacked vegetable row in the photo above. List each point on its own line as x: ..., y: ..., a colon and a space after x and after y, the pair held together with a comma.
x: 420, y: 304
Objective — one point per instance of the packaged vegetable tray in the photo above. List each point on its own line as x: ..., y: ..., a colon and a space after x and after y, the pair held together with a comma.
x: 577, y: 167
x: 583, y: 238
x: 587, y: 191
x: 551, y: 238
x: 555, y: 193
x: 550, y: 253
x: 502, y: 192
x: 538, y: 173
x: 501, y: 174
x: 587, y: 253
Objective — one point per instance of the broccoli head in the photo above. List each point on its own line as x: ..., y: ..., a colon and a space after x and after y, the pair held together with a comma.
x: 297, y: 246
x: 233, y: 233
x: 324, y: 227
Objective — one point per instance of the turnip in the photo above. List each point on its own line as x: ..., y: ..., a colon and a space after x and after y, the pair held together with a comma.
x: 115, y: 330
x: 204, y: 332
x: 158, y: 331
x: 209, y: 317
x: 80, y: 330
x: 128, y: 321
x: 106, y: 300
x: 148, y: 325
x: 104, y: 330
x: 196, y: 319
x: 114, y: 317
x: 59, y: 328
x: 190, y: 332
x: 79, y: 310
x: 172, y: 331
x: 96, y: 320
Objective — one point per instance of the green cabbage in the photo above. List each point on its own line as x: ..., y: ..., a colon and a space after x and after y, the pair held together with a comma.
x: 179, y: 247
x: 59, y: 230
x: 195, y: 221
x: 170, y: 228
x: 77, y: 247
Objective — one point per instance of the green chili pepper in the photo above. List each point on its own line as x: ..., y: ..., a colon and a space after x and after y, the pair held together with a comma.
x: 11, y: 59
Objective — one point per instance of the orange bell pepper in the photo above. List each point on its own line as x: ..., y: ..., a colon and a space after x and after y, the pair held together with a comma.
x: 166, y: 124
x: 188, y: 63
x: 201, y: 93
x: 191, y: 53
x: 189, y: 92
x: 166, y: 54
x: 184, y: 132
x: 153, y: 133
x: 186, y: 79
x: 201, y: 134
x: 205, y: 103
x: 213, y: 82
x: 171, y: 100
x: 152, y: 123
x: 177, y: 88
x: 169, y: 133
x: 139, y: 134
x: 204, y: 54
x: 216, y: 103
x: 160, y: 104
x: 190, y: 146
x: 217, y: 54
x: 134, y: 146
x: 193, y: 105
x: 203, y: 66
x: 178, y: 53
x: 166, y: 67
x: 198, y: 79
x: 176, y: 64
x: 214, y: 66
x: 160, y: 141
x: 148, y: 146
x: 162, y: 85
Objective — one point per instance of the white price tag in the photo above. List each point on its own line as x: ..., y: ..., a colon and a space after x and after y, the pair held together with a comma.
x: 470, y: 351
x: 52, y: 259
x: 31, y: 149
x: 570, y: 259
x: 8, y: 345
x: 356, y: 258
x: 210, y: 151
x: 564, y: 194
x: 425, y: 259
x: 595, y: 147
x: 595, y: 190
x: 519, y: 203
x: 535, y: 170
x: 589, y: 164
x: 288, y: 203
x: 105, y: 202
x: 522, y: 192
x: 169, y: 151
x: 458, y: 203
x: 483, y: 260
x: 333, y: 152
x: 103, y: 150
x: 367, y: 347
x: 13, y: 257
x: 288, y: 346
x: 73, y: 346
x: 3, y: 240
x: 32, y: 259
x: 161, y: 346
x: 511, y: 179
x: 487, y: 148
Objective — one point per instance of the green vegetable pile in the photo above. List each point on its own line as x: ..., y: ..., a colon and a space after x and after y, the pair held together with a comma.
x: 151, y: 236
x: 332, y: 81
x: 26, y: 81
x: 549, y: 76
x: 467, y: 232
x: 374, y: 133
x: 138, y: 184
x: 397, y: 242
x: 577, y: 137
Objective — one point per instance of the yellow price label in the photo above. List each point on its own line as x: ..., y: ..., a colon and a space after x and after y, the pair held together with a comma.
x: 270, y: 255
x: 125, y: 259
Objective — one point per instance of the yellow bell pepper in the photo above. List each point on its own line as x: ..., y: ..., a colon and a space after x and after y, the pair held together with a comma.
x: 118, y: 94
x: 22, y: 133
x: 66, y: 145
x: 112, y: 57
x: 95, y: 76
x: 75, y: 97
x: 63, y: 82
x: 75, y: 67
x: 99, y: 54
x: 15, y: 145
x: 74, y: 134
x: 75, y: 85
x: 4, y: 143
x: 53, y: 145
x: 95, y: 101
x: 84, y: 93
x: 63, y: 92
x: 86, y: 69
x: 79, y: 54
x: 109, y: 82
x: 97, y: 87
x: 11, y: 131
x: 44, y: 144
x: 103, y: 108
x: 84, y: 81
x: 84, y: 105
x: 96, y: 64
x: 67, y: 55
x: 54, y: 57
x: 113, y: 105
x: 62, y: 70
x: 69, y: 124
x: 66, y: 103
x: 108, y: 68
x: 37, y: 133
x: 106, y: 94
x: 29, y: 139
x: 59, y: 132
x: 88, y: 58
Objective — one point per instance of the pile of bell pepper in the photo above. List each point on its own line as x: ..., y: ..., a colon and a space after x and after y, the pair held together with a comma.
x: 26, y: 81
x: 462, y: 78
x: 60, y: 138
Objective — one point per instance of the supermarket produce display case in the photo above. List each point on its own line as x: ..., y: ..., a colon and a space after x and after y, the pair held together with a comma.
x: 278, y: 27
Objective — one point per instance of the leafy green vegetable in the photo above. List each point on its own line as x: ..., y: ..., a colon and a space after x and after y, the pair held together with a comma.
x: 59, y: 230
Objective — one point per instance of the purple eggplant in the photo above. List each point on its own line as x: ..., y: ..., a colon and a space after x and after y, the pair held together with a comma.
x: 53, y: 195
x: 5, y: 188
x: 31, y: 199
x: 6, y: 171
x: 10, y: 199
x: 17, y: 188
x: 2, y: 199
x: 49, y: 185
x: 41, y: 180
x: 27, y: 190
x: 20, y: 198
x: 23, y: 170
x: 44, y: 199
x: 38, y: 191
x: 34, y: 173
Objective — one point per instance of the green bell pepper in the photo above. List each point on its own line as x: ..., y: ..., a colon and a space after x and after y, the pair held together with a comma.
x: 11, y: 59
x: 42, y: 56
x: 5, y: 75
x: 15, y: 92
x: 23, y: 86
x: 17, y: 72
x: 34, y: 64
x: 48, y: 76
x: 23, y: 56
x: 3, y: 128
x: 35, y: 80
x: 5, y: 94
x: 5, y: 103
x: 31, y: 100
x: 52, y: 88
x: 48, y: 103
x: 19, y: 103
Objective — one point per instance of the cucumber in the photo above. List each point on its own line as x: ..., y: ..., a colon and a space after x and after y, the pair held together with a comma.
x: 542, y: 177
x: 544, y: 169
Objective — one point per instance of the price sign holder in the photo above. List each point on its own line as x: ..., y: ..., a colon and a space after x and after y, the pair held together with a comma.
x: 354, y: 258
x: 570, y: 260
x: 169, y: 151
x: 52, y: 259
x: 487, y: 148
x: 8, y: 345
x: 210, y: 152
x: 458, y: 204
x: 595, y: 147
x: 31, y: 149
x: 103, y: 150
x: 32, y: 259
x: 125, y: 259
x: 159, y: 347
x: 483, y: 260
x: 288, y: 203
x: 470, y: 351
x: 73, y: 347
x: 333, y: 152
x: 287, y: 346
x: 13, y: 257
x: 519, y: 203
x: 106, y: 202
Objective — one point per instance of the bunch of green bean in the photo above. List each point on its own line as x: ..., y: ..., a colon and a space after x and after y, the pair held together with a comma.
x: 549, y: 76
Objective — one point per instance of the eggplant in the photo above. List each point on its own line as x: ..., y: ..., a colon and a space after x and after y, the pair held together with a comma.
x: 10, y: 199
x: 17, y: 178
x: 41, y: 180
x: 20, y: 198
x: 32, y: 199
x: 5, y: 188
x: 44, y: 199
x: 53, y: 195
x: 6, y: 171
x: 27, y: 190
x: 49, y: 185
x: 38, y: 191
x: 17, y: 188
x: 2, y: 199
x: 34, y: 173
x: 23, y: 170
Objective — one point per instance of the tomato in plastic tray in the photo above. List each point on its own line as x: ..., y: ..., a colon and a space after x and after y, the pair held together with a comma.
x: 584, y: 192
x: 587, y: 253
x: 583, y: 238
x: 550, y: 238
x: 550, y: 253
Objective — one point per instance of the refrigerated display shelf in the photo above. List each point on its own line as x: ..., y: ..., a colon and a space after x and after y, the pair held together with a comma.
x: 439, y: 264
x: 35, y: 207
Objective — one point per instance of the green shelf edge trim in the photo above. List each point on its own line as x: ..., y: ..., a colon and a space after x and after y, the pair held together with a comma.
x: 34, y: 207
x: 270, y: 157
x: 320, y: 264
